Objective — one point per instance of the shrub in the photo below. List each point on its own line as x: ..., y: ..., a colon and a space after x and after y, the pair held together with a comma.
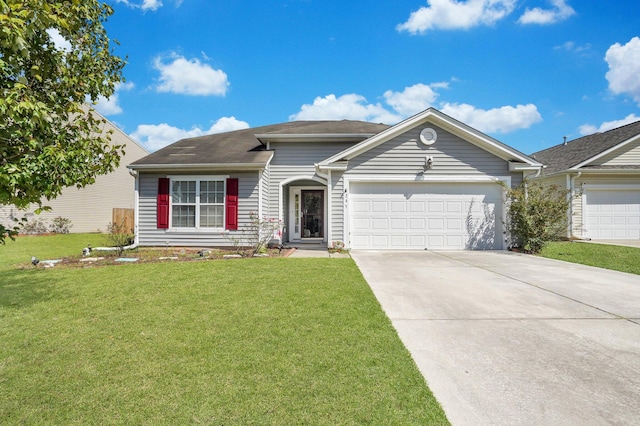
x: 536, y: 214
x: 61, y: 225
x: 254, y: 237
x: 35, y: 226
x: 119, y: 236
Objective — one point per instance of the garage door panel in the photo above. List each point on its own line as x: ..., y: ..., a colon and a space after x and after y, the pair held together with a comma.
x: 419, y: 216
x: 417, y: 241
x: 361, y: 224
x: 416, y: 207
x: 361, y: 206
x: 380, y: 241
x: 380, y: 223
x: 398, y: 223
x: 398, y: 207
x: 436, y: 206
x: 455, y: 206
x: 436, y: 241
x: 417, y: 223
x: 612, y: 213
x: 399, y: 241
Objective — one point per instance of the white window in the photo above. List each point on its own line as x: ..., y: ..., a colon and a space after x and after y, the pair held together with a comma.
x: 197, y: 203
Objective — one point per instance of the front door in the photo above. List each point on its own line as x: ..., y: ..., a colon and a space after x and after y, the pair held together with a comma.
x: 312, y: 213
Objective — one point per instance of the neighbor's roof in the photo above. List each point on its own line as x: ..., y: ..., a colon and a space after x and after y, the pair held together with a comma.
x: 242, y: 147
x: 563, y: 157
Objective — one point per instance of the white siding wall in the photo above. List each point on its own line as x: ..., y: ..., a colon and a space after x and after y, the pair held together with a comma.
x: 149, y: 235
x: 627, y: 155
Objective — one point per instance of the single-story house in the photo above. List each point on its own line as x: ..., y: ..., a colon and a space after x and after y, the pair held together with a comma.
x: 428, y: 182
x: 90, y: 208
x: 602, y: 173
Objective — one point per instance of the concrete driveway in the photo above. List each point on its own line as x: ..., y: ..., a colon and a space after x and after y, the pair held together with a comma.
x: 505, y: 338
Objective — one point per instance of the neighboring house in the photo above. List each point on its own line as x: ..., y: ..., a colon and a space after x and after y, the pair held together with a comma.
x: 602, y: 172
x: 429, y: 182
x: 90, y: 208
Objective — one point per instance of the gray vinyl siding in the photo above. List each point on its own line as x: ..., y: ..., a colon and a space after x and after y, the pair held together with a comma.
x: 406, y: 155
x: 264, y: 184
x: 337, y: 207
x: 291, y: 160
x: 304, y: 153
x: 150, y: 235
x: 516, y: 179
x: 627, y: 155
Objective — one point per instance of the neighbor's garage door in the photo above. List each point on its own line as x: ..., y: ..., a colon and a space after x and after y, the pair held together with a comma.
x: 419, y: 215
x: 613, y: 214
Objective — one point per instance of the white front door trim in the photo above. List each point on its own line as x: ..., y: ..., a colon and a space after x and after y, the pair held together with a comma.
x: 296, y: 234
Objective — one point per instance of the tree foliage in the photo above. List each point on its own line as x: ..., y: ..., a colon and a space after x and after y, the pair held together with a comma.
x: 55, y: 57
x: 537, y: 214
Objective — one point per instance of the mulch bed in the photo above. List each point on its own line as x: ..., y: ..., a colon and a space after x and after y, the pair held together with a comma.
x: 150, y: 255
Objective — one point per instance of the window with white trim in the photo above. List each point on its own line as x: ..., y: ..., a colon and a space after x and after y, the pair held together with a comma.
x: 197, y: 203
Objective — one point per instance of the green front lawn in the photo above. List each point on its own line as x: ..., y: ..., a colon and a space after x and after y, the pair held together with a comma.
x: 619, y: 258
x: 247, y: 341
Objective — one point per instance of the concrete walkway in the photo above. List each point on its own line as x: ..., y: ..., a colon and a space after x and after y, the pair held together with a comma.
x: 505, y: 339
x: 314, y: 250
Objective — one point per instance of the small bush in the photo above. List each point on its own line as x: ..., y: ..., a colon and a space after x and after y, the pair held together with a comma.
x: 61, y: 225
x: 536, y: 215
x: 254, y: 237
x: 119, y: 236
x: 35, y: 227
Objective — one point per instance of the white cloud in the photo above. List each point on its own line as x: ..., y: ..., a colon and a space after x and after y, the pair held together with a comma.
x: 152, y: 5
x: 111, y: 106
x: 624, y: 68
x: 156, y: 136
x: 496, y: 120
x: 571, y: 46
x: 58, y: 40
x: 413, y: 99
x: 346, y: 107
x: 560, y: 11
x: 453, y: 14
x: 588, y: 129
x: 190, y: 77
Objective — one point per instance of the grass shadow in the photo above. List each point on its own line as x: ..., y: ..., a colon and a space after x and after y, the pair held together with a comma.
x: 21, y: 288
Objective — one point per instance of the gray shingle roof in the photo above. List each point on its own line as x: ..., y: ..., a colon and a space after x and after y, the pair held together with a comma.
x: 242, y: 147
x: 562, y: 157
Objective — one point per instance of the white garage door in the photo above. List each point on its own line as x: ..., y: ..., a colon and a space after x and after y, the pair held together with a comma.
x: 419, y: 215
x: 613, y: 214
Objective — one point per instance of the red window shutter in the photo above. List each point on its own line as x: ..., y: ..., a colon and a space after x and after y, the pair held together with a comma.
x: 231, y: 204
x: 163, y: 203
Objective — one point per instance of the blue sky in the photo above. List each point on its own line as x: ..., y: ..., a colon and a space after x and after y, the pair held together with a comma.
x: 526, y: 72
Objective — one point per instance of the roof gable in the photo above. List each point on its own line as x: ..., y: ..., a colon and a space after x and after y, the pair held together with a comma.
x: 443, y: 121
x: 581, y: 152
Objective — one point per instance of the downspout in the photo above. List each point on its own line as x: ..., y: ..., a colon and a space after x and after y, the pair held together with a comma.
x: 136, y: 206
x: 329, y: 209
